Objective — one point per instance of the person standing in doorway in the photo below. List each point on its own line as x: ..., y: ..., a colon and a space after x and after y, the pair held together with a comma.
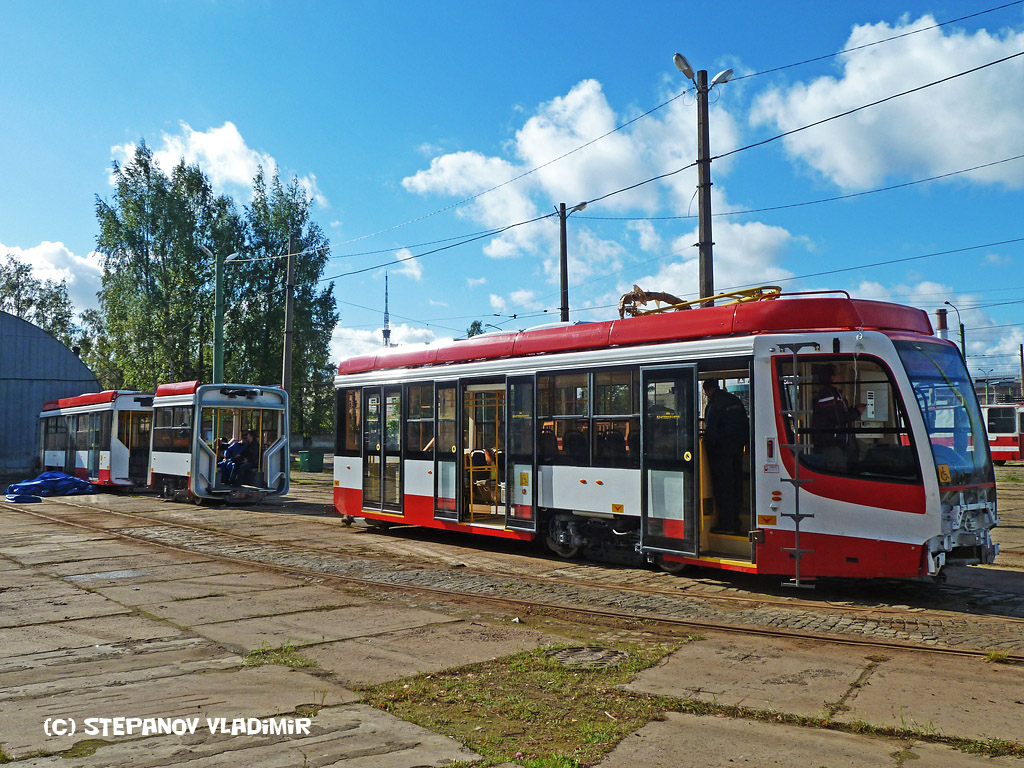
x: 726, y: 434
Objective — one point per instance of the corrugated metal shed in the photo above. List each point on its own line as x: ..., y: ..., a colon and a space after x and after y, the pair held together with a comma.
x: 34, y: 368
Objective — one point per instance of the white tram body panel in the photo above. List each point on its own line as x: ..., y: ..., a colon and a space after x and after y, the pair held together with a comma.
x: 192, y: 424
x: 593, y: 436
x: 100, y: 437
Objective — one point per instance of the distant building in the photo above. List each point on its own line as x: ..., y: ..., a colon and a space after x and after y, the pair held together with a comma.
x: 34, y: 368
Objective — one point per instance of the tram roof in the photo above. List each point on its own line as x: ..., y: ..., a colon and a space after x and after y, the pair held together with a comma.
x: 777, y: 315
x: 93, y: 398
x: 177, y: 388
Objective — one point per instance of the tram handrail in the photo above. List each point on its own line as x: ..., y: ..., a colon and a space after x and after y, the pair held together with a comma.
x: 280, y: 445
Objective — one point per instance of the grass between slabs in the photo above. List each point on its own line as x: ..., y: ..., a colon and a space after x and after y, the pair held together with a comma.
x: 532, y: 710
x: 283, y: 655
x: 529, y: 708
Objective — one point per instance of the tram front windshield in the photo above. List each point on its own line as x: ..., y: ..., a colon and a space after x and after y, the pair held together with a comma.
x: 956, y: 429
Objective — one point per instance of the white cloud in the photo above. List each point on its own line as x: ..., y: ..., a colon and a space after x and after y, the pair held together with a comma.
x: 744, y: 255
x: 659, y: 144
x: 411, y: 266
x: 498, y: 303
x: 53, y: 261
x: 223, y: 156
x: 647, y: 236
x: 473, y: 282
x: 350, y: 342
x: 927, y: 133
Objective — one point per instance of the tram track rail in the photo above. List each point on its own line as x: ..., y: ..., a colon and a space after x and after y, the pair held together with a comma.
x: 728, y: 613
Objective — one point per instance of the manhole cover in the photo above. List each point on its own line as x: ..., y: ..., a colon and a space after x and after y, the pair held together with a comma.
x: 591, y: 657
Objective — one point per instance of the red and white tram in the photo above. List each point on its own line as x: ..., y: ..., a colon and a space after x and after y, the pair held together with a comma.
x: 590, y: 435
x: 102, y: 437
x: 1005, y: 426
x: 190, y: 424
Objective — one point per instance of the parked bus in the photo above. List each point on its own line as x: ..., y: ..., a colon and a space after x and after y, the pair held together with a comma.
x: 590, y: 437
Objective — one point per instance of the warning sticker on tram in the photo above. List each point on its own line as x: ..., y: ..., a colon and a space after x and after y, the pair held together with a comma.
x: 944, y: 476
x: 618, y: 509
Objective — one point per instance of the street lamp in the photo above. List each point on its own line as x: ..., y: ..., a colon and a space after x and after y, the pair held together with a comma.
x: 563, y: 261
x: 218, y: 313
x: 963, y: 347
x: 706, y: 278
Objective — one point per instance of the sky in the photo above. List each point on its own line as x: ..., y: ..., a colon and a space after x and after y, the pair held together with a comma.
x: 420, y: 128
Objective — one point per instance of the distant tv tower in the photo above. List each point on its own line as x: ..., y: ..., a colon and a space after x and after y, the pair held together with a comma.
x: 387, y: 319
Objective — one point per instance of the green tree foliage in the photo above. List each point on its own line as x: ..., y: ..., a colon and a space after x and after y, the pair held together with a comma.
x: 254, y: 318
x: 155, y: 322
x: 44, y: 303
x: 156, y: 299
x: 475, y: 329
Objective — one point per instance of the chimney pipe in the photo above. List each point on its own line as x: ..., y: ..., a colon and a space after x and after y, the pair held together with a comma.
x: 941, y: 329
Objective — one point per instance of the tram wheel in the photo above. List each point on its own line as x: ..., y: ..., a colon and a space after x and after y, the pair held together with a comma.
x: 558, y: 538
x: 672, y: 566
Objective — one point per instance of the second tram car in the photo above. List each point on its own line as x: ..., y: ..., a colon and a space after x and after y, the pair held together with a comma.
x: 591, y: 436
x: 102, y: 437
x: 1005, y: 426
x: 190, y: 424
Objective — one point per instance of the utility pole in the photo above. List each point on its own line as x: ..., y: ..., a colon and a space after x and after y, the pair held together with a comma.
x: 706, y: 271
x: 289, y: 299
x: 1022, y: 371
x: 563, y: 263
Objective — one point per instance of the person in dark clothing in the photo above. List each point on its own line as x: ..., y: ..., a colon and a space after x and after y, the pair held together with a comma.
x: 830, y: 423
x: 249, y: 459
x: 232, y: 453
x: 726, y: 434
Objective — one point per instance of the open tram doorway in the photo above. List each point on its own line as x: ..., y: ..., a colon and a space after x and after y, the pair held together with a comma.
x: 725, y: 478
x: 483, y: 453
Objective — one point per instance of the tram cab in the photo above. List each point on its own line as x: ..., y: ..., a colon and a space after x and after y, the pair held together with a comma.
x: 102, y: 437
x: 591, y: 437
x: 192, y: 424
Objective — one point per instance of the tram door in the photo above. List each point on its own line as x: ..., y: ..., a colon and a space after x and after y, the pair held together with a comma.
x: 446, y: 453
x: 669, y: 460
x: 519, y: 484
x: 382, y: 449
x: 135, y: 435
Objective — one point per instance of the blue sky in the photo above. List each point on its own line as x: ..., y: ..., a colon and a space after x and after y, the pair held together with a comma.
x: 407, y: 121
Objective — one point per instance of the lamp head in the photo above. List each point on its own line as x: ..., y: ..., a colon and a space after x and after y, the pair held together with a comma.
x: 722, y: 77
x: 683, y: 65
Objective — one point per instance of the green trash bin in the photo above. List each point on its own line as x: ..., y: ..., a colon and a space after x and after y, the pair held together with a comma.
x: 311, y: 461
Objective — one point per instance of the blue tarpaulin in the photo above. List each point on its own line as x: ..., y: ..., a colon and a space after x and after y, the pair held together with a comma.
x: 51, y: 484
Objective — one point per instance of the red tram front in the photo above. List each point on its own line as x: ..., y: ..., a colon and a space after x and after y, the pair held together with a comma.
x: 592, y: 436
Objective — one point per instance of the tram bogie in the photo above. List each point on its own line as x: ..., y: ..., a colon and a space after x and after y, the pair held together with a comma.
x: 594, y: 438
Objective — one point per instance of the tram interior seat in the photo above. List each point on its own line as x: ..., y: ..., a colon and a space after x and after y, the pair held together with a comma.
x: 547, y: 446
x: 575, y: 446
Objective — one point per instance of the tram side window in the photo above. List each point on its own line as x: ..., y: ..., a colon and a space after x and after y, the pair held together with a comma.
x: 1001, y: 421
x: 172, y: 429
x: 563, y: 409
x: 856, y: 423
x: 55, y: 433
x: 419, y: 417
x: 617, y: 418
x: 349, y: 422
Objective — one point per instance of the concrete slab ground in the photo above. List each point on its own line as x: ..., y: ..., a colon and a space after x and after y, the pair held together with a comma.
x: 690, y: 741
x: 403, y: 653
x: 355, y: 736
x: 766, y: 674
x: 159, y: 634
x: 948, y: 695
x: 945, y: 695
x: 309, y: 627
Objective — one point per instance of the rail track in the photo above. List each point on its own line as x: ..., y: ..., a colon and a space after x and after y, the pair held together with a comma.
x: 852, y: 614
